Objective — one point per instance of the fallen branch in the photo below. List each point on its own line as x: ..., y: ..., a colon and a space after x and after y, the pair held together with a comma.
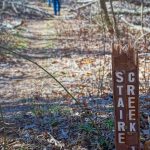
x: 20, y: 8
x: 136, y: 27
x: 116, y: 10
x: 14, y: 8
x: 145, y: 55
x: 83, y: 6
x: 138, y: 2
x: 127, y: 11
x: 10, y: 25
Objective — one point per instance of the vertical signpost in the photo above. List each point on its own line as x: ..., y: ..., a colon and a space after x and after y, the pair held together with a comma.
x: 126, y: 93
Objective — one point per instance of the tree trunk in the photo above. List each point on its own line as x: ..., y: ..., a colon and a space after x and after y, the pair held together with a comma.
x: 105, y: 13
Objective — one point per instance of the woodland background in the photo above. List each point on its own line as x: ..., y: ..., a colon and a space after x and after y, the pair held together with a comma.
x: 56, y: 72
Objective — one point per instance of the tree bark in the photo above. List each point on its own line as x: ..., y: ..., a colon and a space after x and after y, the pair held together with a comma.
x: 106, y: 16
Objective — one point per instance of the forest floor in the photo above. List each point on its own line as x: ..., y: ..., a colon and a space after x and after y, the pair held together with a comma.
x: 37, y: 111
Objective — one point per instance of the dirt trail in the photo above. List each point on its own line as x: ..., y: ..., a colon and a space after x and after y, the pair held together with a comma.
x: 24, y: 80
x: 40, y: 33
x: 20, y: 79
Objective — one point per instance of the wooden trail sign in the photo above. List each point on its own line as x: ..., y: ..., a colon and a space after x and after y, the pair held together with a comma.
x: 126, y: 93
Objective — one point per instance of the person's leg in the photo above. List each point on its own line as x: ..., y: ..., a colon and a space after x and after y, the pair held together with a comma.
x: 55, y: 7
x: 58, y: 6
x: 49, y: 3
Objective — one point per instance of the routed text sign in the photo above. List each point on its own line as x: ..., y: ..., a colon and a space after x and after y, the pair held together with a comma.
x: 126, y: 93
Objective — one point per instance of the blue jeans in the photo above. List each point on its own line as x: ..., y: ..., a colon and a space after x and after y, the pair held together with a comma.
x: 49, y: 2
x: 56, y: 6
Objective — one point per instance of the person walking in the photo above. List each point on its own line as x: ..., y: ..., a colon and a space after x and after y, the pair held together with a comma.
x: 57, y: 7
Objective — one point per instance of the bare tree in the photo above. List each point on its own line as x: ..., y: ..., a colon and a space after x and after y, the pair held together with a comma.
x: 105, y: 13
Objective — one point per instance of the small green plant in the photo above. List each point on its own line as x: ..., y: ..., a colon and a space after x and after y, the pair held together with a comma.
x: 66, y: 111
x: 103, y: 143
x: 22, y: 148
x: 22, y: 45
x: 55, y: 109
x: 50, y: 44
x: 109, y: 123
x: 88, y: 128
x: 39, y: 110
x: 54, y: 123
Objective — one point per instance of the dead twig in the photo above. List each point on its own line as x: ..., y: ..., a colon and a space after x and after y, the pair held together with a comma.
x: 136, y: 27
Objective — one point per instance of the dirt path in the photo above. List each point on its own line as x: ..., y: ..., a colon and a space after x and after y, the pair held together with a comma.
x: 26, y: 89
x: 72, y: 67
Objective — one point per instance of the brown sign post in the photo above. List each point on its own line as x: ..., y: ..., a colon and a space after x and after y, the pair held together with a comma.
x: 126, y: 93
